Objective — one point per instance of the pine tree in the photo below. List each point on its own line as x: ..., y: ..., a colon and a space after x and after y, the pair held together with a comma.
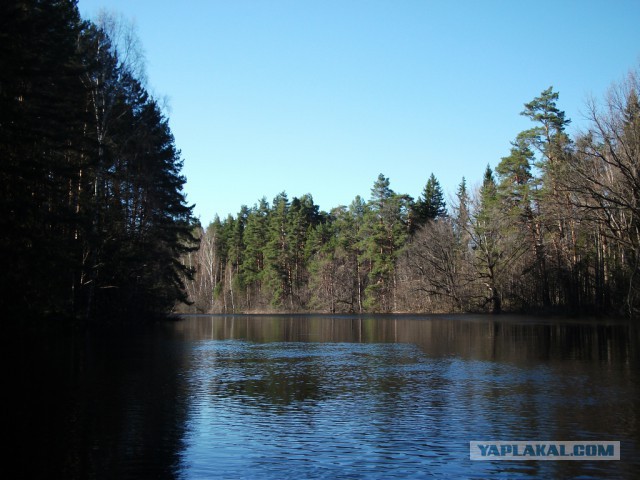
x: 549, y: 136
x: 256, y: 237
x: 386, y: 231
x: 278, y: 272
x: 557, y: 237
x: 514, y: 171
x: 302, y: 219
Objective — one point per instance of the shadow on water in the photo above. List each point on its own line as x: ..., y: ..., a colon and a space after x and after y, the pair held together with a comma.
x: 98, y: 404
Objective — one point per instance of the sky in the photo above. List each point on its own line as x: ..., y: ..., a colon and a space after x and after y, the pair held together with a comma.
x: 319, y: 97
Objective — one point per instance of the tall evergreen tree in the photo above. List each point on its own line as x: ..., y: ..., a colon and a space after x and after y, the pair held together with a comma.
x: 386, y: 230
x: 256, y: 237
x: 549, y: 135
x: 431, y: 204
x: 303, y: 218
x: 556, y: 262
x: 278, y: 265
x: 462, y: 209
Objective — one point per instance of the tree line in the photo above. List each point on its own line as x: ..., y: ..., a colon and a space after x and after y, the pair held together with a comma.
x: 93, y: 217
x: 554, y: 227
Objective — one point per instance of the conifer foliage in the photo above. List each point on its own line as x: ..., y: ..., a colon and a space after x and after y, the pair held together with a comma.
x: 553, y: 227
x: 92, y: 212
x: 431, y: 203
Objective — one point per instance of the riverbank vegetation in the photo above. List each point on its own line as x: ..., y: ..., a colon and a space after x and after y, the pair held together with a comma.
x: 554, y: 227
x: 93, y: 218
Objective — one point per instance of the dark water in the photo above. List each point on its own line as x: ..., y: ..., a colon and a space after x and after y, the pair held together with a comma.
x: 322, y: 397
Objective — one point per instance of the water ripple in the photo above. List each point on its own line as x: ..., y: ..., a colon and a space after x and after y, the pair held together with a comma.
x: 327, y: 410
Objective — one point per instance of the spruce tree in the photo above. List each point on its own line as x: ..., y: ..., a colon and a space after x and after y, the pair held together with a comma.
x: 431, y: 204
x: 462, y: 217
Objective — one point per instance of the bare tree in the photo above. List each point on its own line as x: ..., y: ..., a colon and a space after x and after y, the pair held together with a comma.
x: 433, y: 263
x: 605, y: 181
x: 125, y: 43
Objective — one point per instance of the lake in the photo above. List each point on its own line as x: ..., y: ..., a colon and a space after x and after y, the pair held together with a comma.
x: 313, y: 396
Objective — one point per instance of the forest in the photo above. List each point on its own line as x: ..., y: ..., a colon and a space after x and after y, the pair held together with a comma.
x: 553, y: 228
x: 92, y: 210
x: 95, y: 225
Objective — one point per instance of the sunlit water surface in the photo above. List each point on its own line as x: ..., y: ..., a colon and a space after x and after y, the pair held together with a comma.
x: 333, y: 397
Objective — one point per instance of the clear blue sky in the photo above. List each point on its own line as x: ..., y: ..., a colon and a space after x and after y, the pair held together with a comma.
x: 321, y: 96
